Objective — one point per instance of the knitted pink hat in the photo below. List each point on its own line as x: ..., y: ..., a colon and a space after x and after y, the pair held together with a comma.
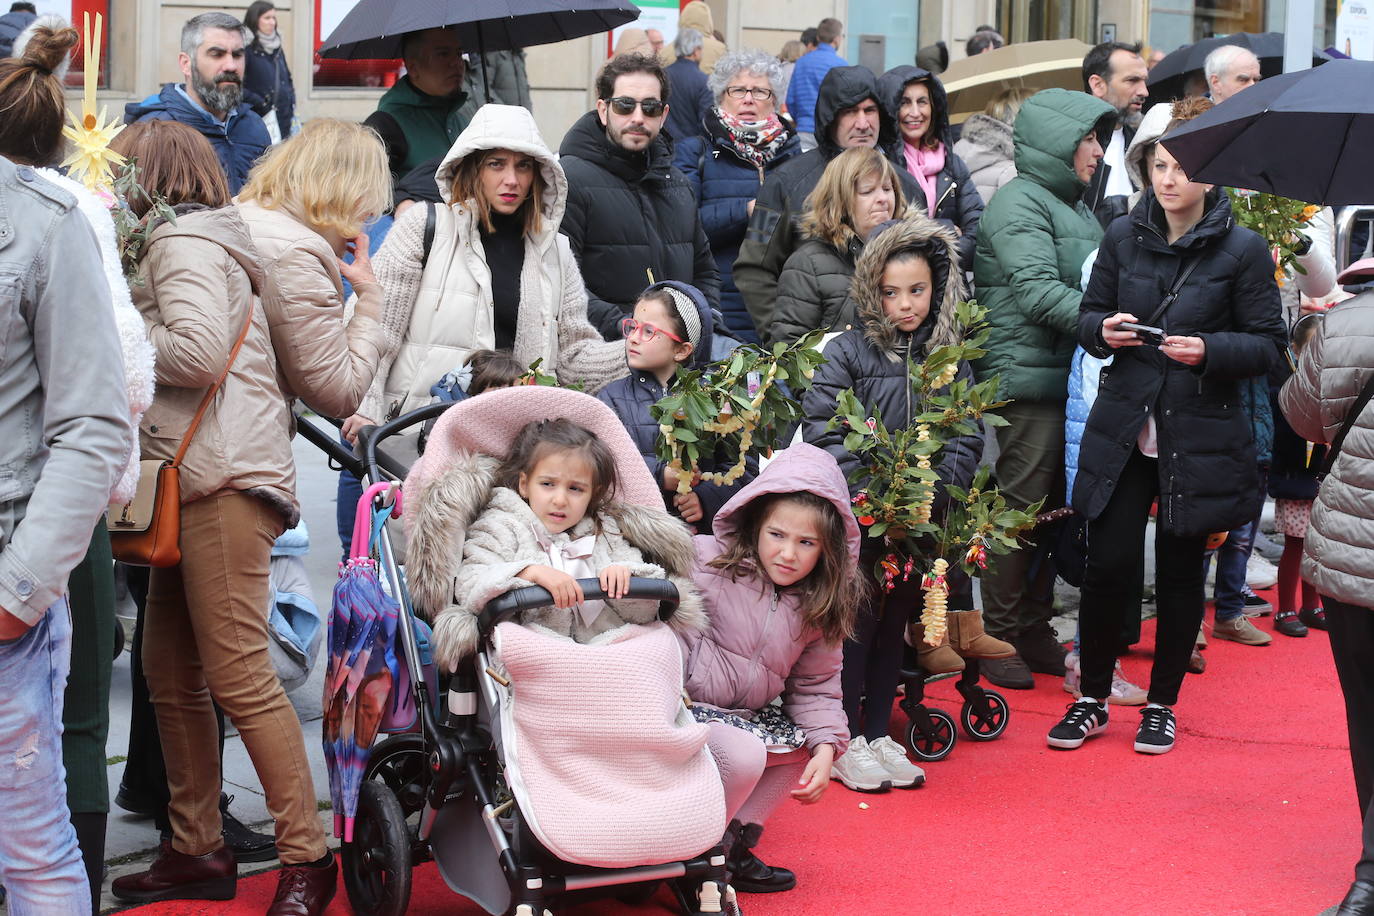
x: 488, y: 423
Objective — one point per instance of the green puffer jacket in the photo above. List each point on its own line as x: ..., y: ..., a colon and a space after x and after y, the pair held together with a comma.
x: 1032, y: 241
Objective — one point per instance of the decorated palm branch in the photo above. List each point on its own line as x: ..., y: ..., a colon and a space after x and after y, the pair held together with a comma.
x: 899, y: 468
x: 1278, y: 220
x: 733, y: 408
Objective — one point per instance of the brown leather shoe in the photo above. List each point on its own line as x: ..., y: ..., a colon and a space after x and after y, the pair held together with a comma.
x: 177, y: 876
x: 303, y: 890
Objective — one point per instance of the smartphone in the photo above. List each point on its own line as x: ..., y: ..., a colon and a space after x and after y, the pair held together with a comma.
x: 1152, y: 336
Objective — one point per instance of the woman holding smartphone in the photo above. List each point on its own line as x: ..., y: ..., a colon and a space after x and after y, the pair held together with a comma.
x: 1167, y: 424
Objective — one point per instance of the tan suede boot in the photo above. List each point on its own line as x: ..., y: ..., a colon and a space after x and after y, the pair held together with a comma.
x: 939, y: 659
x: 968, y: 639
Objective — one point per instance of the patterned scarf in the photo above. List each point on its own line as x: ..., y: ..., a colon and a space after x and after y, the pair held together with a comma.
x: 758, y: 142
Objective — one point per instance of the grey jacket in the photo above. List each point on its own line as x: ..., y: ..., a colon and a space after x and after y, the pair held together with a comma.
x: 1338, y: 557
x: 65, y: 430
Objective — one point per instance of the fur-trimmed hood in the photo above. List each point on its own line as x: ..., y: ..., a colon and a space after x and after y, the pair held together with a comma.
x: 937, y: 243
x: 988, y: 133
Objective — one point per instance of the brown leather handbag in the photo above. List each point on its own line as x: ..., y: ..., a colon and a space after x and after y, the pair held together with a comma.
x: 146, y: 531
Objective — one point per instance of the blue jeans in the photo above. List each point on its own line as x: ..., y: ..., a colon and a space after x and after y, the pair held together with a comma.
x: 1232, y: 557
x: 40, y: 865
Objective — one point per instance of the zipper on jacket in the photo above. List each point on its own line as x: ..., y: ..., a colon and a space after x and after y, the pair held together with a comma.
x: 763, y: 640
x: 952, y: 186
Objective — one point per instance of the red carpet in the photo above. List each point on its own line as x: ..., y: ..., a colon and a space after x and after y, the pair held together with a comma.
x: 1254, y: 812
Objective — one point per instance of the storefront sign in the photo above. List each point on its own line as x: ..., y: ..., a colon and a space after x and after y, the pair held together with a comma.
x: 1355, y: 28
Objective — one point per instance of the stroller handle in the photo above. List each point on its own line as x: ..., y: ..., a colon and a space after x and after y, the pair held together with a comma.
x: 513, y: 602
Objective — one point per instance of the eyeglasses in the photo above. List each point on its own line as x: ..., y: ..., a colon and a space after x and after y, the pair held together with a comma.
x: 624, y: 105
x: 629, y: 327
x: 740, y: 92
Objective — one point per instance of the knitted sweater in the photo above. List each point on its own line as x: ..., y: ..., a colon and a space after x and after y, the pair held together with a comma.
x: 452, y: 292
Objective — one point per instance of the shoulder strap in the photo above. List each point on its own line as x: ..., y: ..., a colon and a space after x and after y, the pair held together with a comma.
x: 210, y: 394
x: 1174, y: 289
x: 1351, y: 416
x: 431, y: 214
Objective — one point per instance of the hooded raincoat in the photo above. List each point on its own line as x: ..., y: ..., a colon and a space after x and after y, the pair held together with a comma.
x: 757, y: 647
x: 774, y: 230
x: 438, y: 310
x: 1032, y: 241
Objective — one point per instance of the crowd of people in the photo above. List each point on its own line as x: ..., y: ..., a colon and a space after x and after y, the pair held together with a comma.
x: 711, y: 197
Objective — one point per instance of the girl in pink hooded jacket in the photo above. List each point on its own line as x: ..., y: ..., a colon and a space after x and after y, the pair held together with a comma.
x: 779, y: 578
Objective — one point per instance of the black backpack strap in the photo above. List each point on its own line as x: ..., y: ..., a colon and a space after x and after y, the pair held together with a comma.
x: 1351, y: 416
x: 431, y: 213
x: 1174, y: 289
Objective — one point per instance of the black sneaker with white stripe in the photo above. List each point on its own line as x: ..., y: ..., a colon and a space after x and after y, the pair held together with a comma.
x: 1156, y: 732
x: 1085, y: 718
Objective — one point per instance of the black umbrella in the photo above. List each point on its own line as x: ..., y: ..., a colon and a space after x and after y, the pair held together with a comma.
x: 373, y: 30
x: 1169, y: 77
x: 1305, y: 135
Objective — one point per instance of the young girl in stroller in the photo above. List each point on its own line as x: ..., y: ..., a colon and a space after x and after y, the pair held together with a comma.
x: 780, y: 579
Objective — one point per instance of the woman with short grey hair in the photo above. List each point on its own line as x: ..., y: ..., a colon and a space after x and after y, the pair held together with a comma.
x: 744, y: 140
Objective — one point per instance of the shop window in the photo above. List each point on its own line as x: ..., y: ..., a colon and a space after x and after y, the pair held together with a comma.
x: 370, y: 74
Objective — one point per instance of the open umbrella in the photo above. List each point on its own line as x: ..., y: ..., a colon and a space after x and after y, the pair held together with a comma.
x: 374, y: 28
x: 1304, y: 135
x: 362, y: 664
x: 972, y: 82
x: 1169, y: 77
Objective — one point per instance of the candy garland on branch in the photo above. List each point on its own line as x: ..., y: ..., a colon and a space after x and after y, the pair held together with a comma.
x: 733, y: 407
x: 900, y: 469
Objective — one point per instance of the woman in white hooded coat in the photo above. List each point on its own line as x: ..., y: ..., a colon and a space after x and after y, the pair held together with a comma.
x: 496, y: 273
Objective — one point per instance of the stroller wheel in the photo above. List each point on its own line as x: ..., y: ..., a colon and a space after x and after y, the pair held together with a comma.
x: 985, y: 718
x: 936, y: 740
x: 376, y: 865
x: 399, y: 761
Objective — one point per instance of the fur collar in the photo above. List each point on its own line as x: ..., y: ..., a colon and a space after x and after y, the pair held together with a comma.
x: 990, y: 133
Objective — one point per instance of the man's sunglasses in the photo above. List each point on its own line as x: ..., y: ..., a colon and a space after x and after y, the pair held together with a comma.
x: 629, y: 327
x: 624, y: 105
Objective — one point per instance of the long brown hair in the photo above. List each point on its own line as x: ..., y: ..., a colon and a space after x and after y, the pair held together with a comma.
x: 830, y: 205
x: 830, y: 594
x: 467, y: 189
x: 31, y: 102
x: 174, y: 162
x: 541, y: 438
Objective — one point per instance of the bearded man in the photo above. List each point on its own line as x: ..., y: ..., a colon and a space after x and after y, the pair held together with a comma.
x: 211, y: 99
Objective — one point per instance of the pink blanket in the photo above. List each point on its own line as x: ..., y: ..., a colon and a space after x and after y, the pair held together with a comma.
x: 602, y: 755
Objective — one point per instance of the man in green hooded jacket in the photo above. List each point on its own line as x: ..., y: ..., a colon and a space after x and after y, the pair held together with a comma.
x: 1032, y: 241
x: 420, y: 117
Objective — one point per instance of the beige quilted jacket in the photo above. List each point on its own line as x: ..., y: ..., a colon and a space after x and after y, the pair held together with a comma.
x: 1339, y: 555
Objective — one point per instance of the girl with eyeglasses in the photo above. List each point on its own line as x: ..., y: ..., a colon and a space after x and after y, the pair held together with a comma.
x: 744, y: 139
x: 671, y: 327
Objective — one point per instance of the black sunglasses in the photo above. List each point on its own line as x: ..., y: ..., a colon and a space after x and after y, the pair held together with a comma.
x: 624, y: 105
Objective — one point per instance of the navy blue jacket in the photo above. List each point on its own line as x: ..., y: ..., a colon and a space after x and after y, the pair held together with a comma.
x: 267, y: 85
x: 632, y: 396
x: 238, y: 144
x: 724, y: 183
x: 688, y: 99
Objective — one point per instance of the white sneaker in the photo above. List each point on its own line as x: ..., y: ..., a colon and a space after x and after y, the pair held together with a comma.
x: 1260, y: 573
x: 1124, y: 693
x: 904, y: 773
x: 860, y: 770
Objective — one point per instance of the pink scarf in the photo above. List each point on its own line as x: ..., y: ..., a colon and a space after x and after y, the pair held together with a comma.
x: 924, y: 164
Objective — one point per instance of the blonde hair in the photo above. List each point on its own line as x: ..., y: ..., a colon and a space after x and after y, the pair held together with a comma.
x: 828, y: 207
x: 331, y: 175
x: 1006, y: 104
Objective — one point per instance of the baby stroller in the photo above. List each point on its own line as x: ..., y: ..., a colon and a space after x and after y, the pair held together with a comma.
x: 931, y: 734
x: 464, y: 789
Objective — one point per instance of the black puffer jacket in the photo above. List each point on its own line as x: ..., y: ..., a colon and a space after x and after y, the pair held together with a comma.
x: 813, y: 291
x: 630, y: 216
x: 958, y: 202
x: 632, y: 396
x: 774, y: 230
x: 872, y: 359
x: 1208, y: 475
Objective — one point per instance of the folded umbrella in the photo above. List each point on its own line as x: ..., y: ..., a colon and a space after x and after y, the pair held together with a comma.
x: 1304, y: 135
x: 374, y: 29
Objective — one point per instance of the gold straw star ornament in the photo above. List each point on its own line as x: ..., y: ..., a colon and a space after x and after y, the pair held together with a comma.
x: 91, y: 158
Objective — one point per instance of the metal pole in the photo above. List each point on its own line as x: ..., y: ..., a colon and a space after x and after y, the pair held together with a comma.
x: 1297, y: 44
